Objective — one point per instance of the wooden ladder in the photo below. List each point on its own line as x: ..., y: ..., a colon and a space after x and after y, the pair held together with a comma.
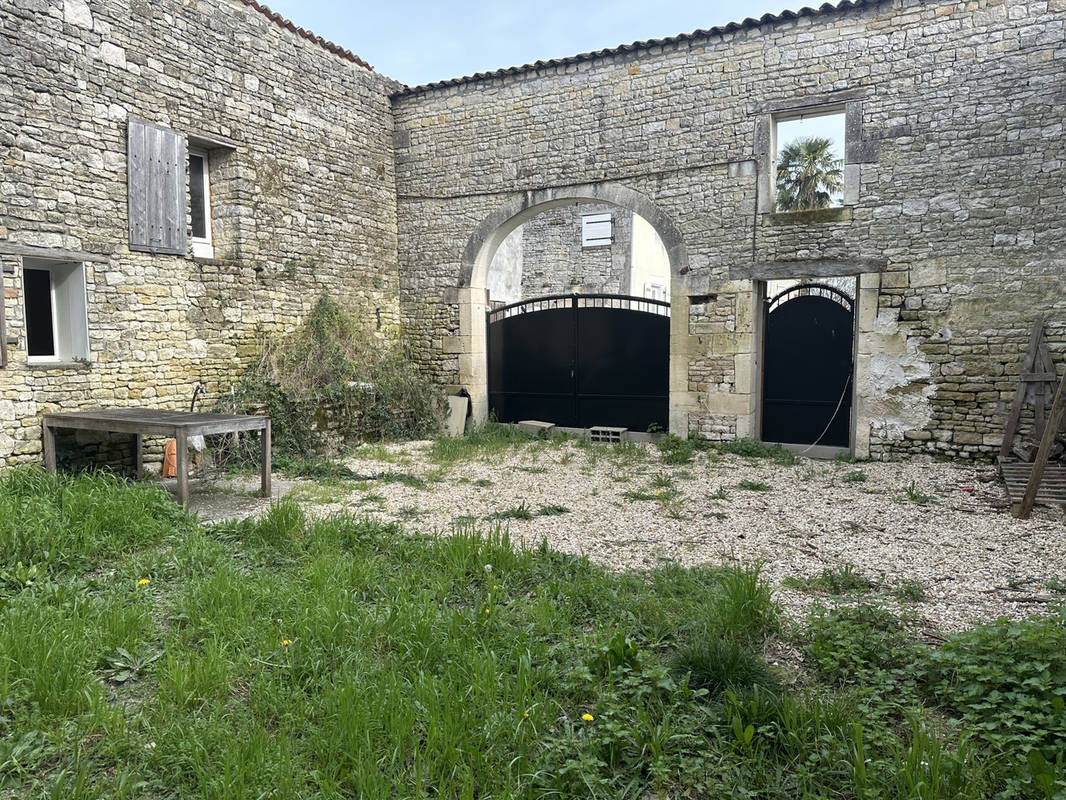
x: 1038, y: 372
x: 1035, y: 383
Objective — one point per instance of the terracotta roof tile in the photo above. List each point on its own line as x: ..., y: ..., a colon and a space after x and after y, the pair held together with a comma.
x: 718, y: 30
x: 281, y: 22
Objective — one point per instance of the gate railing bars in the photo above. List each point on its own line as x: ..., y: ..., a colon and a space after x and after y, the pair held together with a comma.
x: 559, y: 301
x: 808, y: 289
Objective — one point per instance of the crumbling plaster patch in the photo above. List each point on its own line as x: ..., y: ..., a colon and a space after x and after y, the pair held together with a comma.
x: 897, y: 398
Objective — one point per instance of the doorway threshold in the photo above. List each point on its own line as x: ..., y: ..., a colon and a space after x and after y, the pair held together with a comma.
x: 819, y: 452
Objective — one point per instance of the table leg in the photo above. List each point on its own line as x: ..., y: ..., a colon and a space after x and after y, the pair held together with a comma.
x: 138, y: 455
x: 182, y: 441
x: 265, y: 440
x: 48, y: 444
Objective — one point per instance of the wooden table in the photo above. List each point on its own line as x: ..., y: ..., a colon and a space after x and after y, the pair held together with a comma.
x: 178, y: 425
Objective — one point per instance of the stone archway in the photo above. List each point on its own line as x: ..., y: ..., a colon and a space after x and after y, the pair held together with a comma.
x: 486, y: 239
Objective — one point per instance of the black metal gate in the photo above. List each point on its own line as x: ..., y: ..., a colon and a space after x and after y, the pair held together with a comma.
x: 808, y: 366
x: 581, y: 361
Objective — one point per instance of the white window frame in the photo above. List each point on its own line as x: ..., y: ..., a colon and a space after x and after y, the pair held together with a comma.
x: 202, y: 246
x: 590, y: 236
x: 72, y: 340
x: 655, y: 289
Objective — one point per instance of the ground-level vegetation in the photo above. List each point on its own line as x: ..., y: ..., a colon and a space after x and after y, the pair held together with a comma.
x: 145, y: 654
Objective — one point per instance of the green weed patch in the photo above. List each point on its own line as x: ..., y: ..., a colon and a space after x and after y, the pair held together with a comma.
x: 291, y: 657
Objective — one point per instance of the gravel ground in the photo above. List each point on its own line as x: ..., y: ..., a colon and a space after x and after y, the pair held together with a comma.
x: 974, y: 561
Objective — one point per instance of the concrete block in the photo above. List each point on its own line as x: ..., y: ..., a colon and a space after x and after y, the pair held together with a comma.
x: 536, y: 427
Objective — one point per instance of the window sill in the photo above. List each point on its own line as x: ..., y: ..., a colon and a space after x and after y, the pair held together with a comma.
x: 65, y: 364
x: 215, y: 261
x: 813, y: 216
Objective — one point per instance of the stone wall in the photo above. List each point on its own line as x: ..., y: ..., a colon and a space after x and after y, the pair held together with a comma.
x: 329, y: 177
x: 555, y: 262
x: 303, y: 204
x: 545, y: 256
x: 953, y: 219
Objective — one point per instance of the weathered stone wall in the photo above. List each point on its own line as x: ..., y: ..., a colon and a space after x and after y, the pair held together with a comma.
x: 554, y: 261
x: 304, y: 204
x: 954, y: 207
x: 545, y: 256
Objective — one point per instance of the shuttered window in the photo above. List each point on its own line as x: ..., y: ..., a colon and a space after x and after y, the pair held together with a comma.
x: 156, y: 186
x: 595, y: 230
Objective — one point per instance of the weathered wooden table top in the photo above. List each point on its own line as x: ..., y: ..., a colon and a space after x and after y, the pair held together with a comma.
x: 151, y: 420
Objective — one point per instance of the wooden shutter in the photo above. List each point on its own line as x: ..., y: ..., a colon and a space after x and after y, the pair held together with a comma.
x: 156, y: 187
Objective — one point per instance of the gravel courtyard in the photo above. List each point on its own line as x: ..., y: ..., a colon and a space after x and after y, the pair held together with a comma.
x: 945, y: 526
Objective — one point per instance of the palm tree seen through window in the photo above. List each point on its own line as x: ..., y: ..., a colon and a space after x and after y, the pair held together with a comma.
x: 809, y: 171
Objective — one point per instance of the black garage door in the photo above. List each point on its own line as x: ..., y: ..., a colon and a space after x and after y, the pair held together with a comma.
x: 581, y: 361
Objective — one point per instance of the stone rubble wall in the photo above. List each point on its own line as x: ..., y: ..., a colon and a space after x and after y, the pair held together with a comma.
x: 305, y: 204
x: 956, y: 186
x: 954, y: 217
x: 555, y: 262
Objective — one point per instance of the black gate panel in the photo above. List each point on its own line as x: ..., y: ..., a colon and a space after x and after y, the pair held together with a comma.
x: 808, y: 367
x: 530, y: 358
x: 581, y: 361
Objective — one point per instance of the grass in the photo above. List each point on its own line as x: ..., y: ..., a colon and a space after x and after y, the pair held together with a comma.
x: 842, y: 580
x: 909, y: 591
x: 488, y: 440
x: 914, y: 495
x: 754, y: 486
x: 143, y: 654
x: 524, y: 512
x: 752, y: 448
x: 854, y: 476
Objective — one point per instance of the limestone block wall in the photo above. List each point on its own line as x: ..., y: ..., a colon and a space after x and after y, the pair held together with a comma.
x: 953, y: 219
x: 545, y: 256
x: 303, y: 203
x: 554, y: 261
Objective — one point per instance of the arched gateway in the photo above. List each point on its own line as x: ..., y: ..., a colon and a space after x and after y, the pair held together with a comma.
x: 571, y: 359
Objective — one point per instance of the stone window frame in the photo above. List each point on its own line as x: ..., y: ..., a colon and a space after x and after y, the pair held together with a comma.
x: 860, y: 147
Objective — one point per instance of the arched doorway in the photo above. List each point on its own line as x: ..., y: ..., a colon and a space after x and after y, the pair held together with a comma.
x: 808, y: 366
x: 474, y: 304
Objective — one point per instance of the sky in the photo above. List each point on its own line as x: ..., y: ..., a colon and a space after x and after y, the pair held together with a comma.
x: 417, y: 41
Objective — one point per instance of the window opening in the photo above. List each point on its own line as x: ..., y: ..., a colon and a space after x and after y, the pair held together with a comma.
x: 808, y: 165
x: 55, y: 308
x: 200, y: 203
x: 40, y: 313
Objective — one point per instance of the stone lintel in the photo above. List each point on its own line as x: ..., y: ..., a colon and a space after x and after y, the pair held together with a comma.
x: 815, y: 268
x: 810, y: 101
x: 28, y: 250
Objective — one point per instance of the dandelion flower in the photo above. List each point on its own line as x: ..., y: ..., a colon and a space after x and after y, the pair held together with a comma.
x: 143, y: 582
x: 587, y: 717
x: 286, y: 642
x: 488, y: 611
x: 526, y: 715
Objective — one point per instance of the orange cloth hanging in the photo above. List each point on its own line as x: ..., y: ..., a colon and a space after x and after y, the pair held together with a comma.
x: 170, y: 459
